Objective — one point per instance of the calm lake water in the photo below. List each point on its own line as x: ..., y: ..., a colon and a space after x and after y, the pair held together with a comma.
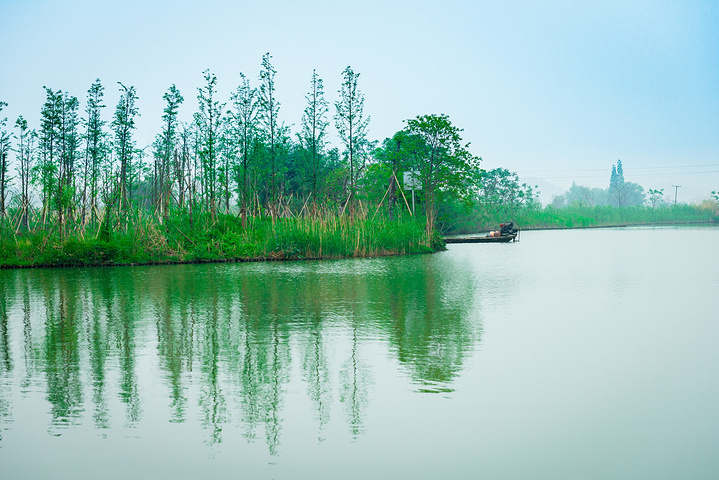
x: 588, y: 354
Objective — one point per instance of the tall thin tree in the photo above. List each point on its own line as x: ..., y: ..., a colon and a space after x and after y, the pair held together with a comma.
x: 352, y: 127
x: 69, y: 151
x: 95, y: 149
x: 165, y: 145
x: 25, y: 155
x: 314, y: 129
x: 244, y: 126
x: 269, y: 109
x: 49, y: 148
x: 209, y: 120
x: 4, y: 161
x: 123, y: 124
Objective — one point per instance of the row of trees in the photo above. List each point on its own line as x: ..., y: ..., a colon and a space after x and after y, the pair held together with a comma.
x: 620, y: 193
x: 78, y: 170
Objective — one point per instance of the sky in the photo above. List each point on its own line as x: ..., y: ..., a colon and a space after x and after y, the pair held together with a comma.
x: 554, y: 90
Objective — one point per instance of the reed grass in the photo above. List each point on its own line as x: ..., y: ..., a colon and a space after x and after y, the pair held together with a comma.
x: 149, y: 240
x: 606, y: 216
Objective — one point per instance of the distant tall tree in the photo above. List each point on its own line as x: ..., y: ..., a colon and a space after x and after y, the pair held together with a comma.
x: 25, y: 156
x: 352, y: 126
x: 123, y: 124
x: 95, y: 147
x: 4, y: 150
x: 617, y: 188
x: 243, y: 124
x: 165, y: 149
x: 209, y: 121
x: 314, y: 129
x: 268, y: 112
x: 446, y: 167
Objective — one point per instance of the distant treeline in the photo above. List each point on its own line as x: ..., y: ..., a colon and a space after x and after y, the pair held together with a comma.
x: 502, y: 198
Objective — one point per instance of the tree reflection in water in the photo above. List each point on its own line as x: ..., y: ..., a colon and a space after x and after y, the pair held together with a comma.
x: 225, y: 338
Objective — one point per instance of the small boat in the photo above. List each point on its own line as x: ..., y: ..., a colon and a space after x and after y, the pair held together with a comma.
x: 506, y: 233
x: 499, y: 239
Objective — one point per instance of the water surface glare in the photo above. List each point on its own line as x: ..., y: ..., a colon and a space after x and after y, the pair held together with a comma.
x: 572, y: 354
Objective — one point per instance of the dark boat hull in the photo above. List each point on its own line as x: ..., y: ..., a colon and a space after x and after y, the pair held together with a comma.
x: 500, y: 239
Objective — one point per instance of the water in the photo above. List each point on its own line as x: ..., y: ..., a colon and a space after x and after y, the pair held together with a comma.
x: 572, y: 354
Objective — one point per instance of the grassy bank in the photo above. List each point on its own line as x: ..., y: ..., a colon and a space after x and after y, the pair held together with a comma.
x: 587, y: 217
x: 606, y: 216
x: 147, y: 240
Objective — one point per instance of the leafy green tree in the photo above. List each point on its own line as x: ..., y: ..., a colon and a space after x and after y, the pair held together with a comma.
x: 268, y: 112
x: 352, y: 127
x: 313, y: 136
x: 183, y: 165
x: 70, y: 150
x: 656, y: 197
x: 164, y: 147
x: 502, y: 195
x: 243, y: 127
x: 209, y: 121
x: 25, y: 155
x: 96, y: 148
x: 446, y: 167
x: 4, y: 150
x: 59, y: 145
x: 399, y: 153
x: 49, y: 148
x: 123, y: 124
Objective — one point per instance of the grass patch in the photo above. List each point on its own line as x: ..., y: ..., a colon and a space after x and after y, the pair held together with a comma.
x: 146, y: 240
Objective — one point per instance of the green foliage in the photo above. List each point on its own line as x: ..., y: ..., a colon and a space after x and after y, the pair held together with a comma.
x: 502, y: 196
x: 430, y: 146
x: 598, y: 216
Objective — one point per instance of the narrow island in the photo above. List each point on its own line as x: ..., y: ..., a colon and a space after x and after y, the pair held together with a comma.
x: 234, y: 184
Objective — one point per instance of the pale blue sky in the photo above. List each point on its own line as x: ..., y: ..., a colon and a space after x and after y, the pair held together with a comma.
x: 556, y: 90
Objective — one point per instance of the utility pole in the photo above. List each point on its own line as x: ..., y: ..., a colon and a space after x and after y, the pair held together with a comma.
x: 676, y: 188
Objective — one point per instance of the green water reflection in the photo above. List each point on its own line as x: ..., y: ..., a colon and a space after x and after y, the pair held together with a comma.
x: 227, y: 341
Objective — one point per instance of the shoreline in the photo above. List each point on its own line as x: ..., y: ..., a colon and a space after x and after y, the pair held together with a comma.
x: 588, y: 227
x: 205, y: 261
x: 282, y: 258
x: 624, y: 225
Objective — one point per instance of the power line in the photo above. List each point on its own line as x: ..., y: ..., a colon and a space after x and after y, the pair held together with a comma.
x: 625, y: 169
x: 632, y: 175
